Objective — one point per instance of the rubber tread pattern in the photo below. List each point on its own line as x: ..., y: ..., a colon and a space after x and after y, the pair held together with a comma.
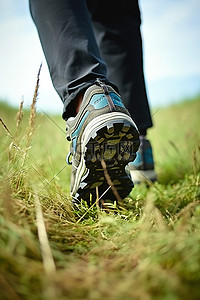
x: 117, y: 145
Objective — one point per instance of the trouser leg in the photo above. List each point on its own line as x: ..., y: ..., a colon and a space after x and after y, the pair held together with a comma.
x: 66, y: 34
x: 117, y: 29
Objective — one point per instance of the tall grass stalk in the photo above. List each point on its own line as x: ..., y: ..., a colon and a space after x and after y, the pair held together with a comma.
x: 47, y: 257
x: 32, y: 118
x: 19, y: 116
x: 31, y: 126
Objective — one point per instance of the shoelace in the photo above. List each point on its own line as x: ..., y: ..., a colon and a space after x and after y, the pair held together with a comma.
x: 111, y: 104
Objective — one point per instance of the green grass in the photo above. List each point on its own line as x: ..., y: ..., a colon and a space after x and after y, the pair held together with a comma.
x: 148, y: 250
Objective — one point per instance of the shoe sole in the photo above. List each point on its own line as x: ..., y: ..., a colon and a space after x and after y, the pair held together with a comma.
x: 139, y: 176
x: 116, y: 141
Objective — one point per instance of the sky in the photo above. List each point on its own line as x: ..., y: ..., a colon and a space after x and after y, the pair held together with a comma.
x: 171, y: 45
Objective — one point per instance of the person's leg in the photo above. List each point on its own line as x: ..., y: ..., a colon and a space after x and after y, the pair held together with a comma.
x: 69, y: 45
x: 117, y: 29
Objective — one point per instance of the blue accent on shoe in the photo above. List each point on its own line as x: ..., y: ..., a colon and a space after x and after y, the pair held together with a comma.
x: 138, y: 160
x: 100, y: 101
x: 75, y: 134
x: 148, y: 156
x: 147, y: 160
x: 116, y: 99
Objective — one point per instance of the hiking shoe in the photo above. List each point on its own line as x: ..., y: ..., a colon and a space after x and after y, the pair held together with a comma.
x: 102, y: 131
x: 142, y: 168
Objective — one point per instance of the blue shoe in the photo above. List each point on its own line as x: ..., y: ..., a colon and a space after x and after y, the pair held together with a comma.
x: 142, y: 168
x: 102, y: 130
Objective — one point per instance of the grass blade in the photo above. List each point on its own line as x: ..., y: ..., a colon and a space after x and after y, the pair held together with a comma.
x: 48, y: 261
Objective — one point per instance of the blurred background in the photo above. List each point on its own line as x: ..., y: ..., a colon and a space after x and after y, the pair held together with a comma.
x: 171, y: 45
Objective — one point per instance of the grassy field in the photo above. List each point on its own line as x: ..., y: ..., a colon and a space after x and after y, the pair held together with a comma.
x: 150, y: 249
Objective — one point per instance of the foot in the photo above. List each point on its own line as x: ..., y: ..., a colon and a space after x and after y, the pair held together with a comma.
x: 104, y: 140
x: 142, y: 168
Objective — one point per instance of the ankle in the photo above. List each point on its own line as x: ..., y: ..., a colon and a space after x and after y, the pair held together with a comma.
x: 78, y: 101
x: 143, y: 132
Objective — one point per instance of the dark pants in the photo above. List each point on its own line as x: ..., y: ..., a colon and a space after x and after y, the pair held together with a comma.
x: 84, y: 40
